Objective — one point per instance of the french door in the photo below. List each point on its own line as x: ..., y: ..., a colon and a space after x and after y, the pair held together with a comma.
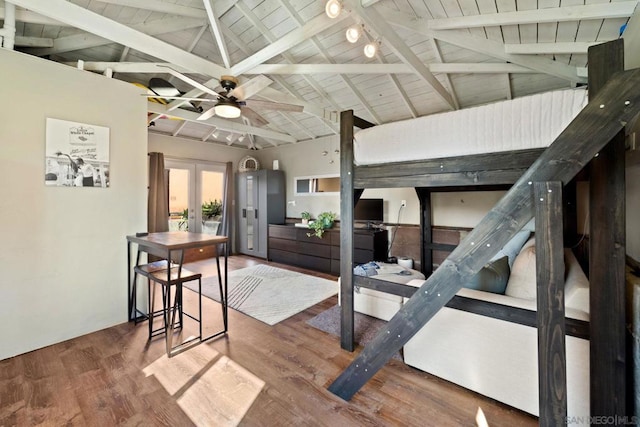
x: 196, y: 195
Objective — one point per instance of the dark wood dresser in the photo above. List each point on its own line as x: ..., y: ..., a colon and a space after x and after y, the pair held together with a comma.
x: 291, y: 245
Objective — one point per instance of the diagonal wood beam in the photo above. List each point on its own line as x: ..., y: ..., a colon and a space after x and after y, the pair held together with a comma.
x: 620, y: 9
x: 346, y: 80
x: 436, y: 51
x: 314, y: 26
x: 93, y: 23
x: 379, y: 24
x: 585, y: 136
x: 33, y: 41
x: 487, y: 47
x: 86, y: 41
x: 217, y: 33
x: 222, y: 124
x: 496, y: 50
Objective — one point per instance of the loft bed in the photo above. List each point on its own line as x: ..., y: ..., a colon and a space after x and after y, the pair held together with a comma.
x: 521, y: 166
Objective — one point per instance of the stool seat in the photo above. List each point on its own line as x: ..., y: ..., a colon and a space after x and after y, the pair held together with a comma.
x: 160, y: 276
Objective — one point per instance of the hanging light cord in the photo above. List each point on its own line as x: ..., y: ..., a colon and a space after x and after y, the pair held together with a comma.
x: 395, y: 230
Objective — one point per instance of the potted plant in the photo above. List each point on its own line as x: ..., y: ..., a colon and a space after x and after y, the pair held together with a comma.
x: 322, y: 222
x: 306, y: 216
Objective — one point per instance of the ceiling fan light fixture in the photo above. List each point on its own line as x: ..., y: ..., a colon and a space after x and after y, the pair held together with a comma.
x: 227, y: 109
x: 353, y: 33
x: 333, y: 8
x: 370, y: 49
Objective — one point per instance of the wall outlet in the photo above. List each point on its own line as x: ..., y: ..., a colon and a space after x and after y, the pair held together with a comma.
x: 403, y: 204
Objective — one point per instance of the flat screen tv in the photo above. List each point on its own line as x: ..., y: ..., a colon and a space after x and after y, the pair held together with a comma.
x: 369, y: 210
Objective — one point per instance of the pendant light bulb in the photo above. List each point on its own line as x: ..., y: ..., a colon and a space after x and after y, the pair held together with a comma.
x: 354, y: 33
x: 333, y: 8
x: 370, y: 49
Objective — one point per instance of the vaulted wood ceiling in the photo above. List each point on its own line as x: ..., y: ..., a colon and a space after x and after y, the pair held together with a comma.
x: 434, y: 55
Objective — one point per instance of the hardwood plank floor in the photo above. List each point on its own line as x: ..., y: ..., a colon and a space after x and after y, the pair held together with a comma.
x: 103, y: 379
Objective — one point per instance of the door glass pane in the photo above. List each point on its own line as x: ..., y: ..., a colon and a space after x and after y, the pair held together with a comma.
x: 211, y: 194
x: 250, y: 213
x: 178, y: 199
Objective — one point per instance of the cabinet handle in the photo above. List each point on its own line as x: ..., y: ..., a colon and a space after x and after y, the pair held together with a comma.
x: 256, y: 213
x: 244, y: 213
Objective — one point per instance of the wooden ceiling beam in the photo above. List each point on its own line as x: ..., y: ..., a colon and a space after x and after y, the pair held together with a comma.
x: 91, y: 22
x: 221, y: 7
x: 89, y: 40
x: 380, y: 25
x: 217, y: 32
x: 286, y: 42
x: 620, y: 9
x: 549, y: 48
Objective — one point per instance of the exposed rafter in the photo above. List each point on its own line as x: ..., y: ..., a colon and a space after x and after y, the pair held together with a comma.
x: 217, y: 33
x: 549, y: 48
x: 436, y: 51
x: 380, y: 25
x: 92, y: 22
x: 221, y: 6
x: 286, y: 42
x: 33, y: 41
x: 487, y: 47
x: 346, y: 80
x: 620, y: 9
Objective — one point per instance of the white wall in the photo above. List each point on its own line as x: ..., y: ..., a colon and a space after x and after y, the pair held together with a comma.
x: 184, y: 148
x: 64, y: 249
x: 306, y: 158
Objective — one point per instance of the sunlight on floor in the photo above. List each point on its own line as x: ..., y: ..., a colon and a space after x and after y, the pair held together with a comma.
x: 481, y: 420
x: 210, y: 388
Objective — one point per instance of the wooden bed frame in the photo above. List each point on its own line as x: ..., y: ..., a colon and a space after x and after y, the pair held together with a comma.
x: 530, y: 174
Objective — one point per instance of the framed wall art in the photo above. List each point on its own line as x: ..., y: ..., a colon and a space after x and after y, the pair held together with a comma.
x: 76, y: 154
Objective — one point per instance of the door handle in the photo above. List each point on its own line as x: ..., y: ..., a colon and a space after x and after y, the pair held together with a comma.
x: 244, y: 213
x: 256, y: 213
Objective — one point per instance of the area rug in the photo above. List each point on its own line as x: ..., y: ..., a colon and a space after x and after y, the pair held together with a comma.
x: 365, y: 328
x: 269, y: 294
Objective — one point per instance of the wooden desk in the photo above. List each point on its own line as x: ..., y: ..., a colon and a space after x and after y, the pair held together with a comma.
x: 171, y: 245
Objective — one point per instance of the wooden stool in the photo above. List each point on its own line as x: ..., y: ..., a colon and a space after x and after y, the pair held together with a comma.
x: 156, y: 272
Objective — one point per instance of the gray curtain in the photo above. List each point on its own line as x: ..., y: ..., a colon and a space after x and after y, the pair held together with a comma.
x: 158, y: 204
x: 225, y: 227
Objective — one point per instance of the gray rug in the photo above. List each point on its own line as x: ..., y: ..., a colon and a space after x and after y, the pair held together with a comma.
x: 269, y: 294
x: 365, y: 327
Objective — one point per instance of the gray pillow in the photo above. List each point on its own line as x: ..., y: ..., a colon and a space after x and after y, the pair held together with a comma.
x: 492, y: 278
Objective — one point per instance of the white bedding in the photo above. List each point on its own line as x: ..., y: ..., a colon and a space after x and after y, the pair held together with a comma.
x: 527, y: 122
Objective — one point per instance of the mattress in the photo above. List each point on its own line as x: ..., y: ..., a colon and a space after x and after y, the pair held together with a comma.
x: 528, y: 122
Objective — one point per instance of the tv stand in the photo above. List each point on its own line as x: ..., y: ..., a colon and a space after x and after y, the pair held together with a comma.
x: 291, y: 245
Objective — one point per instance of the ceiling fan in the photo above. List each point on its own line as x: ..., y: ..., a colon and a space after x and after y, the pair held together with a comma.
x: 233, y: 101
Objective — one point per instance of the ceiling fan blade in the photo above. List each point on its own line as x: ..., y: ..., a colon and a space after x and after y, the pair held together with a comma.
x: 207, y: 114
x: 251, y: 87
x: 190, y: 81
x: 255, y: 118
x: 269, y: 105
x: 182, y: 98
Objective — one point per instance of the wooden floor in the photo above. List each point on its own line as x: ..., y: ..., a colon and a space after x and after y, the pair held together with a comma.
x: 101, y: 379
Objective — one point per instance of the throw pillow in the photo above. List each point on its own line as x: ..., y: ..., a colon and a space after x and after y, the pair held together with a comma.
x: 512, y: 248
x: 522, y: 282
x: 492, y: 278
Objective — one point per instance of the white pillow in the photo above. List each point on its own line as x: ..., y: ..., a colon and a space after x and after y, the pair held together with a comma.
x: 522, y: 281
x: 513, y: 247
x: 576, y: 287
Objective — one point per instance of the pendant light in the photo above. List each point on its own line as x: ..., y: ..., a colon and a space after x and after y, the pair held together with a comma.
x: 370, y: 49
x: 353, y: 33
x: 333, y: 8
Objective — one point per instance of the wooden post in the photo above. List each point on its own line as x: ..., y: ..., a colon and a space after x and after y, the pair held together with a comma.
x: 607, y: 253
x: 426, y: 231
x: 346, y: 230
x: 552, y: 358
